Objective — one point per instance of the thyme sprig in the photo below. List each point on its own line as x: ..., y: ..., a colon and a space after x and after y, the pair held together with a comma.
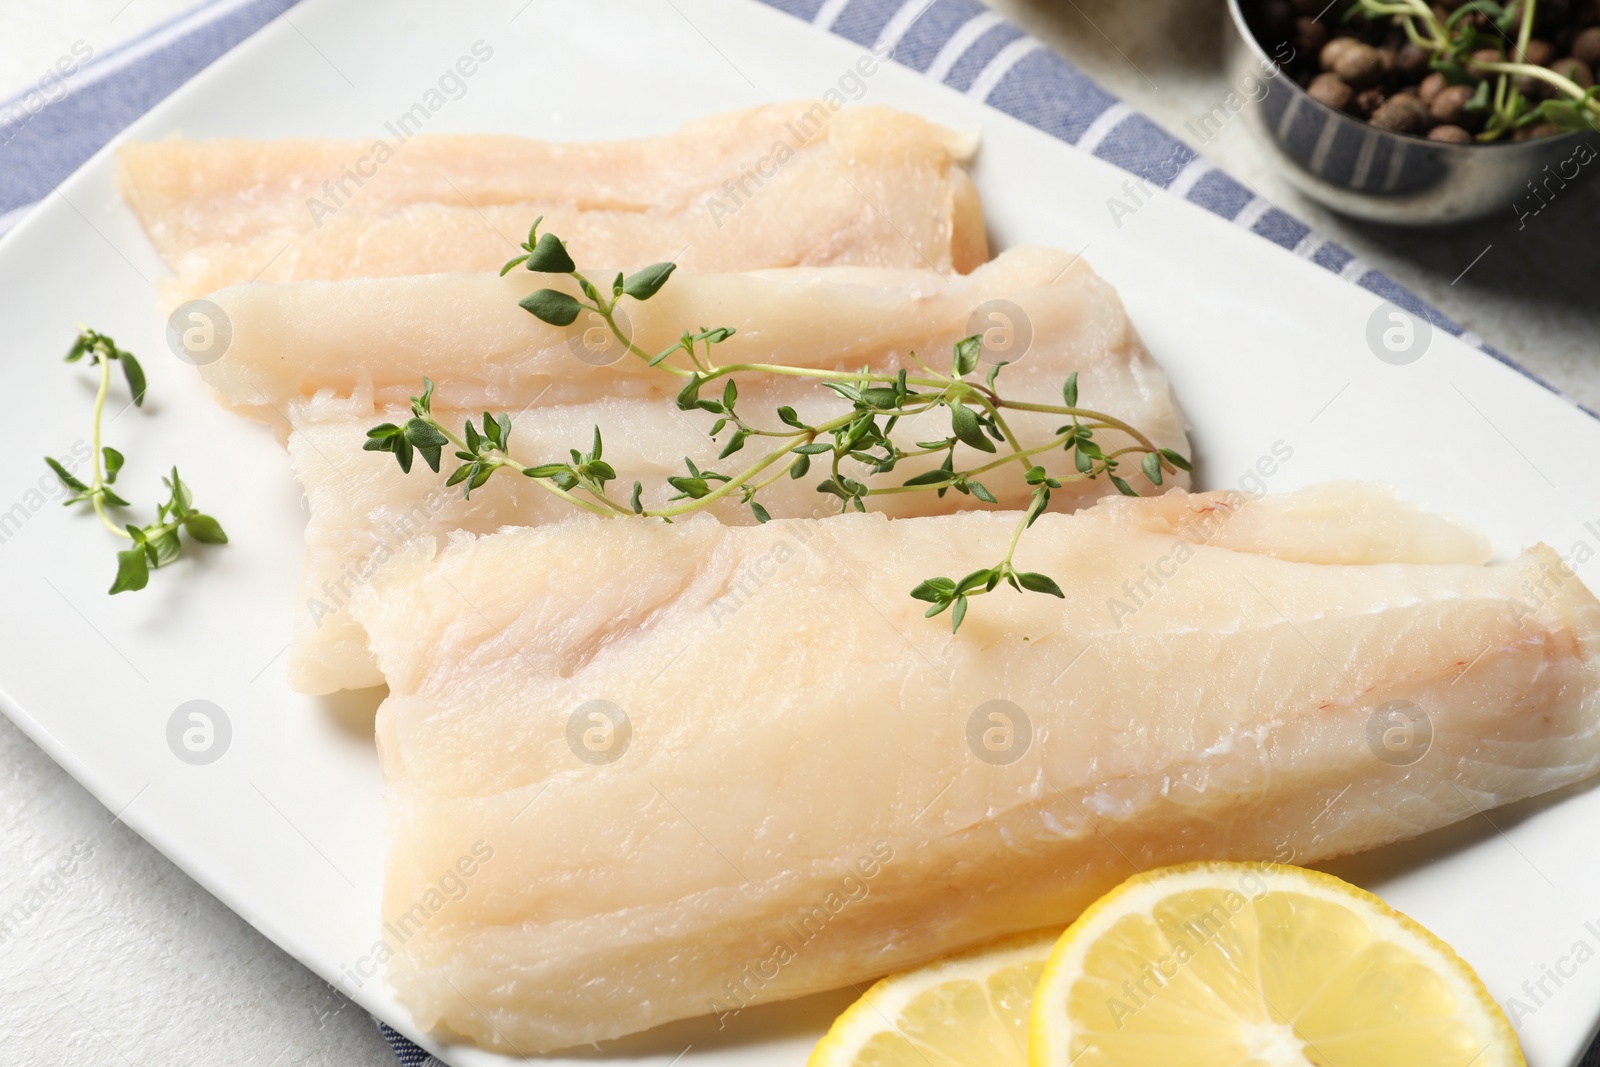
x: 153, y: 544
x: 1451, y: 42
x: 879, y: 401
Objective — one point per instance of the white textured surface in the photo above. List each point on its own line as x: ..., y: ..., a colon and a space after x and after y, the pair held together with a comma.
x: 123, y: 959
x: 38, y: 33
x: 128, y: 961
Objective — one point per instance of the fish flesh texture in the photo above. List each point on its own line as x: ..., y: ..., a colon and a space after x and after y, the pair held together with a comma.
x: 1045, y: 309
x: 788, y: 184
x: 362, y: 508
x: 718, y: 765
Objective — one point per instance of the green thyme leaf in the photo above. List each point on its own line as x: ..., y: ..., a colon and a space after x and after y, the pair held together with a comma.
x: 937, y: 477
x: 964, y: 424
x: 133, y: 570
x: 642, y: 285
x: 1039, y: 583
x: 735, y: 443
x: 689, y: 396
x: 549, y: 305
x: 65, y: 476
x: 135, y: 376
x: 549, y: 256
x: 205, y: 529
x: 968, y: 349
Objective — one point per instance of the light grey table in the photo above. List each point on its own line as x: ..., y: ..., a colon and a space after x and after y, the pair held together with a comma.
x: 126, y: 961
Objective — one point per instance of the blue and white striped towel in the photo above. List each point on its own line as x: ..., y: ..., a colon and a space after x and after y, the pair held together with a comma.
x: 959, y: 42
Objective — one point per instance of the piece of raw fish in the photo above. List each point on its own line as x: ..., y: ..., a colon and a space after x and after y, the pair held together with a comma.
x: 774, y: 186
x: 362, y: 508
x: 700, y: 766
x: 1044, y: 309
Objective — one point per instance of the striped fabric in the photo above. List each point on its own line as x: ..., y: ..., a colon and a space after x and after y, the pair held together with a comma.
x: 959, y: 42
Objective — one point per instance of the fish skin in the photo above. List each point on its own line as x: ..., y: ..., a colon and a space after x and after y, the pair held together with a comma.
x: 819, y: 728
x: 362, y: 507
x: 870, y: 186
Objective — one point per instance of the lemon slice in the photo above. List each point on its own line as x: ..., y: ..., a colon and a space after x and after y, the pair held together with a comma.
x: 968, y: 1009
x: 1258, y: 965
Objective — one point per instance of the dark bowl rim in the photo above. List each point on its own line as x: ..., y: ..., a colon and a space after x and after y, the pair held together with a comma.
x: 1236, y: 12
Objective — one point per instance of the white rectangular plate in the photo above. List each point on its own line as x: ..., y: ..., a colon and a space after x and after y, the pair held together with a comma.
x: 287, y: 828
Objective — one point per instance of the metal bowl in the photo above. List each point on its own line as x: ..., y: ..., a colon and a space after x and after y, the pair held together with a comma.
x: 1360, y: 170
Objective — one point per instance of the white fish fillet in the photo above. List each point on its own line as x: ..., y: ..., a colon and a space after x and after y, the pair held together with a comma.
x: 362, y: 508
x: 292, y: 341
x: 798, y: 807
x: 778, y: 185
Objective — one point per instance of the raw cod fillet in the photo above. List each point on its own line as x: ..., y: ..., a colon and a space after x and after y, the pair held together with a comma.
x: 773, y: 186
x: 800, y: 802
x: 363, y: 508
x: 380, y: 336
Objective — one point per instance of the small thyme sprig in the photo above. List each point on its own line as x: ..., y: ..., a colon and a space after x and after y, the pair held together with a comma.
x: 1451, y: 42
x: 156, y: 543
x: 878, y: 402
